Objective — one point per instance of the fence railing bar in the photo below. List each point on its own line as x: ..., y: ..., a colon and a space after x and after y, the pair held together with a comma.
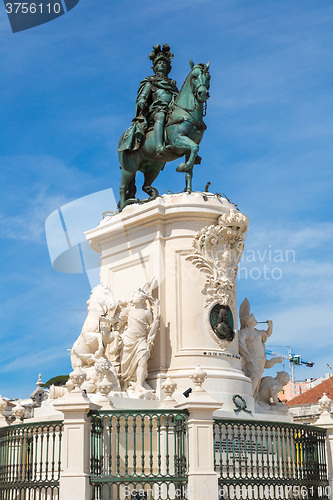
x: 27, y: 460
x: 266, y: 456
x: 150, y: 449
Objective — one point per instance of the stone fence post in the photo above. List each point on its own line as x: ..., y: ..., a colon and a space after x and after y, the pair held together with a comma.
x: 75, y: 446
x: 326, y: 421
x: 202, y: 478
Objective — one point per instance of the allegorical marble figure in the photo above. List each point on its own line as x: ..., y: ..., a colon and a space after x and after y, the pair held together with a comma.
x: 252, y: 347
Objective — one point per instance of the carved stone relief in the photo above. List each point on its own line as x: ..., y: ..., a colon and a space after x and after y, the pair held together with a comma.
x: 116, y: 341
x: 269, y: 389
x: 217, y: 252
x: 222, y: 324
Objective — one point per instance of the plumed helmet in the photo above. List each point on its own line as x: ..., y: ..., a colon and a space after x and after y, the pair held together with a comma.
x: 159, y: 53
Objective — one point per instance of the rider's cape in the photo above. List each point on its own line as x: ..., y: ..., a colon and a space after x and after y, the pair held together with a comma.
x: 134, y: 135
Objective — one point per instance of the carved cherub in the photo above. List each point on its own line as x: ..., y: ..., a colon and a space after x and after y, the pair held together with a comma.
x: 270, y: 387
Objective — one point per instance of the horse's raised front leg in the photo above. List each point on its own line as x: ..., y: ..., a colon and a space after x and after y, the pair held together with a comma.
x: 183, y: 142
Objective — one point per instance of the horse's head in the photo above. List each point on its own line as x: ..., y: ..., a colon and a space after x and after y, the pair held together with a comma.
x: 103, y: 296
x: 200, y: 81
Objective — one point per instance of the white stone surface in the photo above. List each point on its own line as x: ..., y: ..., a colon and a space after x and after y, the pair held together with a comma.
x: 326, y: 421
x: 154, y: 240
x: 3, y: 422
x: 202, y: 478
x: 3, y: 404
x: 138, y: 324
x: 46, y: 412
x: 169, y: 387
x: 88, y: 351
x: 325, y: 404
x: 269, y: 389
x: 18, y: 411
x: 115, y: 343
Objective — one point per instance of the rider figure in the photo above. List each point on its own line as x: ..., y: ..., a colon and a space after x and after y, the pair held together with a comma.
x: 155, y: 93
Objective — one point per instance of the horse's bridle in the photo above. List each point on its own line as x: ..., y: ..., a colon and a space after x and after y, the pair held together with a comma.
x: 197, y: 105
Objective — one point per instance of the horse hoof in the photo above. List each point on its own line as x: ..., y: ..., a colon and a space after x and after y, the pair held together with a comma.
x: 181, y: 168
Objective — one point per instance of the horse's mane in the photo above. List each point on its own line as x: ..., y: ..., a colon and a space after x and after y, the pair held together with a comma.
x: 201, y: 66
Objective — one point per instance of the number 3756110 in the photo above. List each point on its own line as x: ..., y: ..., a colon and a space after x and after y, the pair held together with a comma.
x: 32, y: 8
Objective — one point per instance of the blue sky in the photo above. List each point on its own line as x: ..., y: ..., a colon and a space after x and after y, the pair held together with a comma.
x: 67, y: 92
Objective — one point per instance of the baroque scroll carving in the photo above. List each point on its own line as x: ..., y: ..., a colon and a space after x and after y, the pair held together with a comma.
x: 217, y: 252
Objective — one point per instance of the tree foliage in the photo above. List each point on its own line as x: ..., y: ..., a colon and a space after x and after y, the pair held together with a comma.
x: 58, y: 381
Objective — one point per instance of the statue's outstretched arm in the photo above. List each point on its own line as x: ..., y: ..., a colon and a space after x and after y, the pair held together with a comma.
x: 269, y: 330
x: 271, y: 362
x: 266, y: 333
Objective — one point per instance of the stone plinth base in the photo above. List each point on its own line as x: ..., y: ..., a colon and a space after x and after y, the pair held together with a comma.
x: 153, y: 240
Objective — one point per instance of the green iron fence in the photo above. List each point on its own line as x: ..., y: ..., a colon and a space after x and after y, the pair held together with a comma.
x: 30, y: 461
x: 270, y: 460
x: 138, y: 454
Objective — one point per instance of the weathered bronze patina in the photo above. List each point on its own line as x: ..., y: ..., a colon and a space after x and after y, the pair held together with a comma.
x: 168, y: 124
x: 222, y: 322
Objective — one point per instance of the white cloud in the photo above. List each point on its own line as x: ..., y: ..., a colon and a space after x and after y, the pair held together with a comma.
x: 30, y: 226
x: 304, y: 323
x: 300, y: 303
x: 37, y: 360
x: 299, y: 236
x: 41, y: 185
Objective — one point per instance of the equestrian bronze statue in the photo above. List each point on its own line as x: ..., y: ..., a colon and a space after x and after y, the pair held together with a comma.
x: 168, y: 125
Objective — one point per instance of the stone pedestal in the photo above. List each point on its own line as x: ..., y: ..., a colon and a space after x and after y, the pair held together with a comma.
x: 202, y: 478
x: 326, y: 421
x: 156, y: 240
x: 75, y: 448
